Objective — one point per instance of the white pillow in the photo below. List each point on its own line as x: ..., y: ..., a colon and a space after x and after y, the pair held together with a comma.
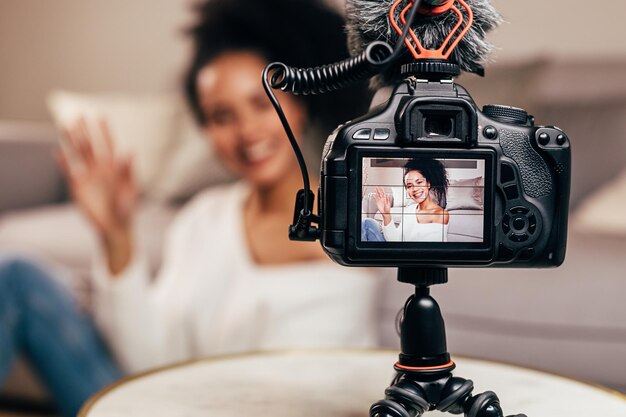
x: 144, y: 126
x: 172, y: 158
x: 466, y: 194
x: 400, y: 197
x: 604, y: 211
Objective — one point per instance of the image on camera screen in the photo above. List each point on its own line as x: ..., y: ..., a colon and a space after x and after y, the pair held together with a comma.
x: 423, y: 200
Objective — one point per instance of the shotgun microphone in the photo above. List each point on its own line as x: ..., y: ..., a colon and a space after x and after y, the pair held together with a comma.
x: 450, y: 30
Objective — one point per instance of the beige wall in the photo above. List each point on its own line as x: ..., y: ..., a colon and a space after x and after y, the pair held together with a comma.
x: 568, y: 28
x: 136, y: 45
x: 86, y: 45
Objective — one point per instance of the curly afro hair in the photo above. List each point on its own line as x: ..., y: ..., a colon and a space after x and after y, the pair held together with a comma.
x: 300, y: 33
x: 435, y: 173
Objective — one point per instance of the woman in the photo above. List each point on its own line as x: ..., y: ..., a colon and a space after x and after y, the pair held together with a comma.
x: 231, y: 280
x: 426, y: 183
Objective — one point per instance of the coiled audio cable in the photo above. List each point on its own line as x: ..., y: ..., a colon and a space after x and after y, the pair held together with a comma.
x: 375, y: 59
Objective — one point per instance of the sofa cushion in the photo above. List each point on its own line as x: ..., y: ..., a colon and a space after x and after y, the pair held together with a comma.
x: 61, y: 235
x: 467, y: 193
x: 29, y: 175
x: 568, y: 320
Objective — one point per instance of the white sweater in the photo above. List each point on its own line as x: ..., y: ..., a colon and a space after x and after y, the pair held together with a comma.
x: 409, y: 230
x: 211, y: 298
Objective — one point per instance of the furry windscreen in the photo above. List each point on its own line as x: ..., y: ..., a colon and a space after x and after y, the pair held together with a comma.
x: 367, y: 21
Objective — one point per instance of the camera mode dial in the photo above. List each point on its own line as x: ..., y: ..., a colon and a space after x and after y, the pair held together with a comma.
x: 506, y: 114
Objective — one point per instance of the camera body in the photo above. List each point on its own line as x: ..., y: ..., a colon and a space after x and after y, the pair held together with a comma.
x: 503, y: 200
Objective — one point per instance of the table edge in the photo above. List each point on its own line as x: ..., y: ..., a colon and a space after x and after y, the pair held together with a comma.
x: 231, y: 356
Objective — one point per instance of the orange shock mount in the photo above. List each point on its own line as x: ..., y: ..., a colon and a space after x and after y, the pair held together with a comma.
x: 451, y: 41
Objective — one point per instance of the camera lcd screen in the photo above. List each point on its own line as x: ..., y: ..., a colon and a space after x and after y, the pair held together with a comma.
x: 435, y: 200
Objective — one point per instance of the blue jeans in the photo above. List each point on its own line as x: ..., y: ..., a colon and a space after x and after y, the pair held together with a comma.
x: 370, y: 231
x: 39, y: 320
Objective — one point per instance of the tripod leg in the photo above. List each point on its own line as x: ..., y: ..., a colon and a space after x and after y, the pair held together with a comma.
x: 454, y: 395
x: 404, y: 398
x: 486, y: 404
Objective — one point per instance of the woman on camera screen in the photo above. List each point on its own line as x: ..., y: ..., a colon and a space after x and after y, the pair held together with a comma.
x: 423, y: 218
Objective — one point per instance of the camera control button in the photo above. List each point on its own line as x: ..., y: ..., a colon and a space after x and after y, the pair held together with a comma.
x: 506, y: 223
x: 544, y: 138
x: 381, y: 134
x: 511, y: 192
x: 490, y: 132
x: 532, y: 224
x: 505, y: 253
x: 507, y: 173
x: 362, y: 134
x: 561, y: 139
x: 519, y: 210
x: 518, y: 237
x: 526, y: 254
x: 519, y: 223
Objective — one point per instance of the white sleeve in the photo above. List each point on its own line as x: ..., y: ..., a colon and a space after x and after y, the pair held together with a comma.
x: 122, y: 306
x: 131, y: 313
x: 392, y: 232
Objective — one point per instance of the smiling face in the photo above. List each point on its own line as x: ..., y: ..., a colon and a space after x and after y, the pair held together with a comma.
x: 417, y: 187
x: 240, y: 120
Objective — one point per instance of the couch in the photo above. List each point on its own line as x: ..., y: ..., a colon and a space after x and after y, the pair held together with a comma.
x: 570, y: 320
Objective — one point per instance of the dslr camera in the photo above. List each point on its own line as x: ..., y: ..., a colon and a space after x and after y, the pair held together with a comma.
x: 428, y: 179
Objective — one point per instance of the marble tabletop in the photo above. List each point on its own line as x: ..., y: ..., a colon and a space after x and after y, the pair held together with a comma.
x: 330, y: 383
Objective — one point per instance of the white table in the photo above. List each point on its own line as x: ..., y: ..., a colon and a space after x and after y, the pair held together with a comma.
x: 330, y: 383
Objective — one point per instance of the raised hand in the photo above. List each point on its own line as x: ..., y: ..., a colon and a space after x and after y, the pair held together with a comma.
x: 103, y: 186
x: 383, y: 204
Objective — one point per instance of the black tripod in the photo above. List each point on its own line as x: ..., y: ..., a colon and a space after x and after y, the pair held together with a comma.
x: 424, y: 380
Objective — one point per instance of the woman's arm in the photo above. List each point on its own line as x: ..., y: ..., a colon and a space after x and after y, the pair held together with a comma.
x: 103, y: 186
x: 392, y: 232
x: 383, y: 204
x: 134, y: 311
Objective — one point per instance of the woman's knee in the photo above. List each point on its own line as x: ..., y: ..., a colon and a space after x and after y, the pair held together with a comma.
x: 368, y: 225
x: 18, y: 273
x: 9, y: 267
x: 370, y: 230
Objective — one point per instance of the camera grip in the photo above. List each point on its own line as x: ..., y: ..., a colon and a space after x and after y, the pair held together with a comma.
x: 536, y: 177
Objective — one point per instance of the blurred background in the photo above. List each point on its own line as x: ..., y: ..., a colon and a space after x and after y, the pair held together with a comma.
x: 138, y: 47
x: 561, y: 60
